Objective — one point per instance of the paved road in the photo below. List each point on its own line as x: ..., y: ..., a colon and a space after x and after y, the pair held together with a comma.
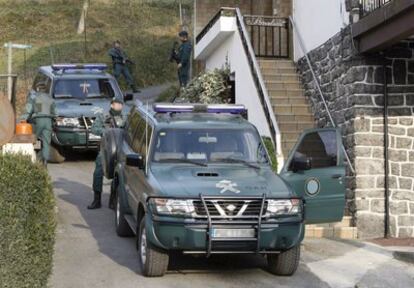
x: 89, y: 254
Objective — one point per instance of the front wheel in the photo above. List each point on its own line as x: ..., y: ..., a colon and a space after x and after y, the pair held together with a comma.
x: 285, y: 263
x: 154, y: 263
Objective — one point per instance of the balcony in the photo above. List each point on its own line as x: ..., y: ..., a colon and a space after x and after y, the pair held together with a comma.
x: 383, y: 23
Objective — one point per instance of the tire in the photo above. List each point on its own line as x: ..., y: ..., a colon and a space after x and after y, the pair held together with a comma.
x: 153, y: 261
x: 109, y: 150
x: 285, y: 263
x: 55, y: 155
x: 121, y: 225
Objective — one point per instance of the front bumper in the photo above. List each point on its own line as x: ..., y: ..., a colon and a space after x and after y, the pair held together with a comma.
x: 192, y: 236
x: 76, y: 138
x: 198, y: 234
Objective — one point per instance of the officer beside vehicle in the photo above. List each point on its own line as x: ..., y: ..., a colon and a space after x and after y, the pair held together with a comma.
x: 183, y: 58
x: 41, y: 111
x: 119, y: 61
x: 114, y: 119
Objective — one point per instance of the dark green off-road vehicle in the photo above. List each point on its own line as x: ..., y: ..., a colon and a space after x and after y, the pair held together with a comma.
x: 197, y: 179
x: 80, y: 92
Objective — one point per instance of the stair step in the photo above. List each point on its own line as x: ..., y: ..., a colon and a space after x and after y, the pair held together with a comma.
x: 291, y: 136
x: 288, y: 100
x: 293, y: 118
x: 276, y: 71
x: 296, y: 109
x: 277, y: 93
x: 278, y: 85
x: 281, y: 77
x: 331, y: 232
x: 295, y: 126
x: 276, y: 63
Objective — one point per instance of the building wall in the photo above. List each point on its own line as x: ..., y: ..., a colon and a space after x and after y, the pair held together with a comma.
x: 353, y: 87
x: 317, y: 21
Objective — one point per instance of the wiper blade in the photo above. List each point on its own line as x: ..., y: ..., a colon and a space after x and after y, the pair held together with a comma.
x: 233, y: 160
x: 184, y: 161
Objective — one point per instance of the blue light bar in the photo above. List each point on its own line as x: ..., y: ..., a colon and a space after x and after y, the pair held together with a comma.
x: 93, y: 66
x: 188, y: 108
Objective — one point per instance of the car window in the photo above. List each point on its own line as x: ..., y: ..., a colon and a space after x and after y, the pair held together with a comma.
x: 320, y: 147
x: 209, y: 145
x: 83, y: 88
x: 138, y: 135
x: 42, y: 83
x: 132, y: 124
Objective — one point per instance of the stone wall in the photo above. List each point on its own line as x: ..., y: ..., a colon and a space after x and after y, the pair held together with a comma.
x: 354, y: 90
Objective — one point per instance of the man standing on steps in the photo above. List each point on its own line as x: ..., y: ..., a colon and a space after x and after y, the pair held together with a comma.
x: 41, y: 111
x: 114, y: 119
x: 184, y: 59
x: 119, y: 61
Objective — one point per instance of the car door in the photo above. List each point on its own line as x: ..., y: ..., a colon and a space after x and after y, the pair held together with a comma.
x: 315, y: 169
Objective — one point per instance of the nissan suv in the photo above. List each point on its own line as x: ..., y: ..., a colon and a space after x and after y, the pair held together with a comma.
x: 80, y: 91
x: 198, y: 179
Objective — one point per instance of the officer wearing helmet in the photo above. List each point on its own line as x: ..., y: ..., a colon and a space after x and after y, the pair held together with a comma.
x: 114, y: 119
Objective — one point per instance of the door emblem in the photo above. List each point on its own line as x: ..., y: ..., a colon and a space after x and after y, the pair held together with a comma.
x: 227, y: 185
x: 312, y: 186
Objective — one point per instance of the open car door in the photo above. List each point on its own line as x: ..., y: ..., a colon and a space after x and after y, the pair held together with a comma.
x: 315, y: 170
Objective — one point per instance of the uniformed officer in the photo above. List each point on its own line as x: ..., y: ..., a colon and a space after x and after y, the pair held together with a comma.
x: 119, y: 61
x: 114, y: 119
x: 184, y: 58
x: 41, y: 111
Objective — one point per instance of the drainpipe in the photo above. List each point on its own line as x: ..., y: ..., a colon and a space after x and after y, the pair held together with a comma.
x: 386, y: 169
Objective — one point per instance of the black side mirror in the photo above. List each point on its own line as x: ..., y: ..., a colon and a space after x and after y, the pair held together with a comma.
x: 128, y: 97
x: 135, y: 160
x: 301, y: 164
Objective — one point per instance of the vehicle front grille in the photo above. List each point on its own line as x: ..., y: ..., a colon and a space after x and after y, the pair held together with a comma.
x: 89, y: 121
x: 229, y: 208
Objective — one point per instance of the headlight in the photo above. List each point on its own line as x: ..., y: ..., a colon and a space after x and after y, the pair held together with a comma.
x: 67, y: 122
x: 177, y: 207
x: 283, y: 207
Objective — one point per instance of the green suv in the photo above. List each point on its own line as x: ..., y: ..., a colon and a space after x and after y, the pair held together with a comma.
x: 80, y: 92
x: 197, y: 179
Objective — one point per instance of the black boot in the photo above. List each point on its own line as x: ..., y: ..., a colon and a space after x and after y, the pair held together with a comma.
x: 135, y: 89
x: 96, y: 204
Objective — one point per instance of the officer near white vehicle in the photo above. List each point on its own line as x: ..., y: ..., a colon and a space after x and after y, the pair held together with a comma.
x: 114, y: 119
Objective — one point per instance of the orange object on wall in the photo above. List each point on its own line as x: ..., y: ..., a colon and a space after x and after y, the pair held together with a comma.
x: 24, y: 128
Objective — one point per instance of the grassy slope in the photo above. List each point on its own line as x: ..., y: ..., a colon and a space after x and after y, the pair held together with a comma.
x: 147, y: 29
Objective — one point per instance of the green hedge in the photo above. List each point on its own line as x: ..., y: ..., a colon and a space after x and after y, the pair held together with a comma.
x: 272, y: 152
x: 27, y: 223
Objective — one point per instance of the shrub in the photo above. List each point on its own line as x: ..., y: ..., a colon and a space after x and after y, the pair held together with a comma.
x: 272, y: 153
x: 209, y: 88
x: 27, y: 223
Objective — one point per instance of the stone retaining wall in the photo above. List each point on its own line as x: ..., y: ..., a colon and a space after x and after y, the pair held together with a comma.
x: 354, y: 91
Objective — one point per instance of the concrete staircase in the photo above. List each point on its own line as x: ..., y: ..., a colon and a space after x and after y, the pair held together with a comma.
x: 292, y: 110
x: 293, y: 115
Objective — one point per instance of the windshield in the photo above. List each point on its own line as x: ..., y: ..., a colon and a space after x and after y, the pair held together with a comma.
x: 208, y: 146
x: 81, y: 88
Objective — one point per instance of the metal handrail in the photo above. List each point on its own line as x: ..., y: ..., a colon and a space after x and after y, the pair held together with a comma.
x: 260, y: 84
x: 315, y: 79
x: 368, y: 6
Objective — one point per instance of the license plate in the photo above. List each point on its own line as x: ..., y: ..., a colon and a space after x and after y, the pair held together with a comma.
x: 232, y: 233
x: 94, y: 137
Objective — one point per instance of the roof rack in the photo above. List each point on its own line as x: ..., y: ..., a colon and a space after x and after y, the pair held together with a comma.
x: 201, y: 108
x: 98, y: 67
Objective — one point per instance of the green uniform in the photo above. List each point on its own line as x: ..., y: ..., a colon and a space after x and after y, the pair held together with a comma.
x: 112, y: 120
x: 184, y: 58
x: 118, y: 61
x: 41, y: 110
